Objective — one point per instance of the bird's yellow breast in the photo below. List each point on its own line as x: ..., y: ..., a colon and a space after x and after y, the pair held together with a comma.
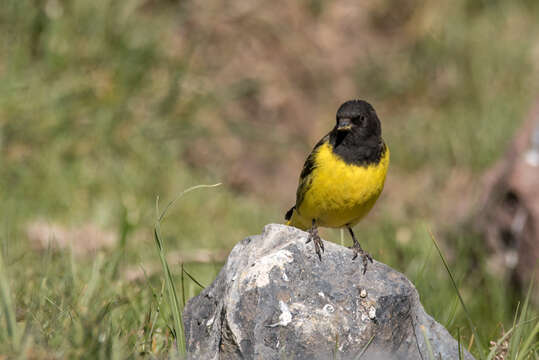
x: 341, y: 193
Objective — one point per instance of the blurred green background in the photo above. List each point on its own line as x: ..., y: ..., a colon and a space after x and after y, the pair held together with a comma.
x: 106, y: 105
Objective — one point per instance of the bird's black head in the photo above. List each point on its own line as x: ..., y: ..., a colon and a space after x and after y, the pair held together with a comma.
x: 359, y: 117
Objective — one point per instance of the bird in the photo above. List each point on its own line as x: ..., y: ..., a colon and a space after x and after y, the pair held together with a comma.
x: 342, y: 177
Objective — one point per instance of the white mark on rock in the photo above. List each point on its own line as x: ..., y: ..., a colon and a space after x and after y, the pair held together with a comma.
x: 328, y: 308
x: 364, y: 317
x: 285, y: 277
x: 210, y: 322
x: 286, y: 316
x: 372, y: 313
x: 260, y: 270
x: 321, y: 294
x: 363, y: 293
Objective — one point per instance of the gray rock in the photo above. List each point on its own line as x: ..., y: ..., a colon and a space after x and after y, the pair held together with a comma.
x: 274, y: 299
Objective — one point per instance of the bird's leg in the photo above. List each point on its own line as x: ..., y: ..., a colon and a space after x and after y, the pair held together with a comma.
x: 359, y: 251
x: 318, y: 244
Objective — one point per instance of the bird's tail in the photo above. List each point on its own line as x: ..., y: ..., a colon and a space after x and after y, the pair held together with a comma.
x: 292, y: 218
x: 288, y: 215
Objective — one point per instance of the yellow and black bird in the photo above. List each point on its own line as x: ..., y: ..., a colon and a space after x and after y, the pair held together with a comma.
x: 343, y: 176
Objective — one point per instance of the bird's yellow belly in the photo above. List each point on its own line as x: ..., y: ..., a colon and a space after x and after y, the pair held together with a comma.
x: 341, y: 193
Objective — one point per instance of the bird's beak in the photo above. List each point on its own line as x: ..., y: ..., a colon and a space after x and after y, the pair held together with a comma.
x: 344, y: 124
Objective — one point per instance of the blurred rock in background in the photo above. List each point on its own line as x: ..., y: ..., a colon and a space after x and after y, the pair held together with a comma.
x: 509, y: 213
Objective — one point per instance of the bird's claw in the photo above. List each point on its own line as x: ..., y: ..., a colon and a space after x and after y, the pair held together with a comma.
x: 364, y: 256
x: 318, y: 244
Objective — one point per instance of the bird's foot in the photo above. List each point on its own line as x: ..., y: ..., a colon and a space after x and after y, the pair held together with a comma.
x: 358, y: 251
x: 318, y: 244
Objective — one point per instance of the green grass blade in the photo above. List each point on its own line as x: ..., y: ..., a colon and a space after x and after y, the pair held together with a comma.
x: 459, y: 344
x: 6, y: 306
x: 192, y: 278
x: 182, y: 284
x: 514, y: 338
x: 429, y: 346
x: 478, y: 342
x: 336, y: 347
x: 93, y: 282
x: 452, y: 315
x: 527, y: 348
x: 518, y: 347
x: 172, y: 296
x: 365, y: 348
x: 162, y: 216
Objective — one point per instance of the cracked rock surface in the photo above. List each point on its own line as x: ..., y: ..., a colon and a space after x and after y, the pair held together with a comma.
x: 274, y: 299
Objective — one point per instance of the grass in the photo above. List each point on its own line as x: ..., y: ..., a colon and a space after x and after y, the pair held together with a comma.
x: 102, y: 108
x: 8, y: 310
x: 471, y: 324
x: 84, y: 300
x: 172, y: 294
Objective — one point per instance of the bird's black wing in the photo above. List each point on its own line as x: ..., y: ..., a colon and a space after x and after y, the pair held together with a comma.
x: 305, y: 179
